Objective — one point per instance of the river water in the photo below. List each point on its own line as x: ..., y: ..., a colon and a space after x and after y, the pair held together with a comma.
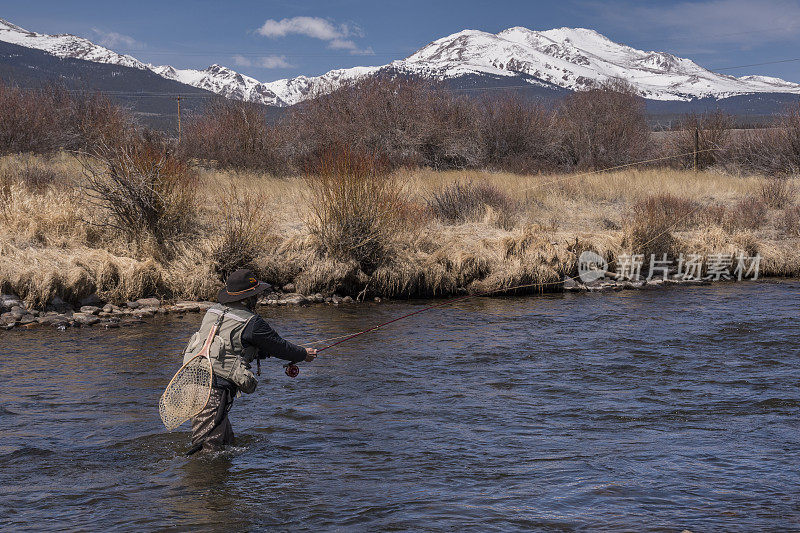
x: 635, y: 410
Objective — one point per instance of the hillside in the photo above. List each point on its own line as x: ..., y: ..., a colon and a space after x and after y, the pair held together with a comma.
x: 151, y: 97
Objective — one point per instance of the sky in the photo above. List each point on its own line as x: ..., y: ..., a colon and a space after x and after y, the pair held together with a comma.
x: 269, y: 40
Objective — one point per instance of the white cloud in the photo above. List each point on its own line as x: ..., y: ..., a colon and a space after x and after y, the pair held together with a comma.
x: 272, y: 61
x: 111, y: 39
x: 315, y: 27
x: 337, y: 35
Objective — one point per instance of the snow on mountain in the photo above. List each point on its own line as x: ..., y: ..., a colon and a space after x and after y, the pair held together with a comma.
x: 293, y: 90
x: 65, y: 45
x: 223, y: 81
x: 572, y: 58
x: 577, y: 58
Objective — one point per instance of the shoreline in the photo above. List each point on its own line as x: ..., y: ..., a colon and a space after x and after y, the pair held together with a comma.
x: 449, y: 233
x: 14, y: 314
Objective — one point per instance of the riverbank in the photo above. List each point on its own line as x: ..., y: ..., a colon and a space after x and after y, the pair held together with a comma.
x: 460, y: 232
x: 14, y: 313
x: 92, y: 312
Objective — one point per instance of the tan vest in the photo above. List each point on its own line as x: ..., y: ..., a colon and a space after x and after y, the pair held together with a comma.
x: 230, y: 359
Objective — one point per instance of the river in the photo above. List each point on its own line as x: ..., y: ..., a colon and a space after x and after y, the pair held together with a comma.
x: 636, y: 410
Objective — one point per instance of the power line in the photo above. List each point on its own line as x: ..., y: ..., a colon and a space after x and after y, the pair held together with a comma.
x: 408, y: 50
x: 694, y: 38
x: 759, y: 64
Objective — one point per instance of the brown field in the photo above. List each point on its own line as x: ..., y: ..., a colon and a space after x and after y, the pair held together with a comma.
x: 54, y: 240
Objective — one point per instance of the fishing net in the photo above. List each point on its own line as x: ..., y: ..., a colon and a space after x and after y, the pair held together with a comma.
x: 188, y: 392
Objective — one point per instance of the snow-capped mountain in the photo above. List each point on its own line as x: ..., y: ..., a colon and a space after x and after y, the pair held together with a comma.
x: 569, y: 58
x: 577, y: 58
x: 65, y: 45
x: 223, y: 81
x: 231, y: 84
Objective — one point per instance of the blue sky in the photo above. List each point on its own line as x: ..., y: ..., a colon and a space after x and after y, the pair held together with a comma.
x: 272, y: 40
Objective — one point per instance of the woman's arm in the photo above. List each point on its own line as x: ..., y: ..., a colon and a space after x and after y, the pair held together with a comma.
x: 259, y: 334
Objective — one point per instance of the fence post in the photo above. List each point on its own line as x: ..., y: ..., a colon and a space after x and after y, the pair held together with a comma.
x: 696, y: 148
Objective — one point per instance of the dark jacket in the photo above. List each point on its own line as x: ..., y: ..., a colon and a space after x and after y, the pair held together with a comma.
x: 259, y: 334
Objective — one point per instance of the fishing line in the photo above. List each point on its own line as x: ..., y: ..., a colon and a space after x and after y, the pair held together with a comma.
x: 344, y: 338
x: 618, y: 167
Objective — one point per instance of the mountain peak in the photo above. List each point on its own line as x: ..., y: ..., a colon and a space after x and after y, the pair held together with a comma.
x: 570, y: 58
x: 65, y: 45
x: 7, y: 26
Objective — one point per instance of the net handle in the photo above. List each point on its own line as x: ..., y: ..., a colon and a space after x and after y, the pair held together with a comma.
x: 206, y: 349
x: 204, y: 352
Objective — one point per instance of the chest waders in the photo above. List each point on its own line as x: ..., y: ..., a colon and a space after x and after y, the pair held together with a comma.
x: 228, y: 393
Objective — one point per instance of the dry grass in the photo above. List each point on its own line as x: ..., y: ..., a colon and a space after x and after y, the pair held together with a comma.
x: 52, y: 242
x: 467, y: 201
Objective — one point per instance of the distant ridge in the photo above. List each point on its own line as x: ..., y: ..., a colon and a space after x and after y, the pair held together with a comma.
x: 548, y: 64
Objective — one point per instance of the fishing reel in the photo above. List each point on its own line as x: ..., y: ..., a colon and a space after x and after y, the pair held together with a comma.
x: 291, y: 369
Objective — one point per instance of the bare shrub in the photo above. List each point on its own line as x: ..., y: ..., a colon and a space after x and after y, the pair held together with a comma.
x: 749, y: 213
x: 755, y: 151
x: 776, y: 192
x: 236, y: 135
x: 789, y: 126
x: 405, y: 122
x: 449, y: 132
x: 34, y: 176
x: 465, y: 201
x: 244, y: 224
x: 773, y: 151
x: 92, y: 121
x: 519, y: 136
x: 713, y: 136
x: 666, y: 209
x: 356, y: 208
x: 28, y: 121
x: 603, y: 127
x: 44, y: 120
x: 146, y: 191
x: 713, y: 214
x: 38, y: 178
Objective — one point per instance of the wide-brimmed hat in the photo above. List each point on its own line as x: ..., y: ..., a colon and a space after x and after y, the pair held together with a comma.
x: 240, y: 285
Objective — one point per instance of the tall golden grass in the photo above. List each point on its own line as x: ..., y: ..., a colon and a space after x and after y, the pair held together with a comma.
x: 53, y: 241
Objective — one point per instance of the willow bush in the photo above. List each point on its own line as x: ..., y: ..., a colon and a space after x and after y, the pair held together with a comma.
x: 356, y: 208
x: 144, y: 190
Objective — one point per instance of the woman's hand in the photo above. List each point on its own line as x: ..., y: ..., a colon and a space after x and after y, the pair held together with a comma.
x: 311, y: 354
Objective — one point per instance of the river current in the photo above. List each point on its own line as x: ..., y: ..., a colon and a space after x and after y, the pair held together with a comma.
x: 628, y: 411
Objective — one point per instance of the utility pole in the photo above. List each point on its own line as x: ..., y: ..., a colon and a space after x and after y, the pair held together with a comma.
x: 696, y: 148
x: 179, y: 119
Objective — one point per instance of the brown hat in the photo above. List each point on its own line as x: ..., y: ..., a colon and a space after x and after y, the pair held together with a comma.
x: 240, y: 285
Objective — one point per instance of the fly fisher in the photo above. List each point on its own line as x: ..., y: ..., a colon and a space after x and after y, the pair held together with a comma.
x: 217, y: 363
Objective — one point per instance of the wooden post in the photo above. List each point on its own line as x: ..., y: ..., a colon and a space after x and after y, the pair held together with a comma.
x: 696, y: 148
x: 179, y: 119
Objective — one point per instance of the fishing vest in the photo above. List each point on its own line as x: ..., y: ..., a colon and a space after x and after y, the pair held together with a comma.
x: 230, y: 359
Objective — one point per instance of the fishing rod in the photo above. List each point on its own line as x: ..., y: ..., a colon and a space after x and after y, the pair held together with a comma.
x: 292, y: 370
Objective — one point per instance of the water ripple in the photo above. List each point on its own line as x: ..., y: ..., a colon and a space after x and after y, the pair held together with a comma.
x: 653, y: 410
